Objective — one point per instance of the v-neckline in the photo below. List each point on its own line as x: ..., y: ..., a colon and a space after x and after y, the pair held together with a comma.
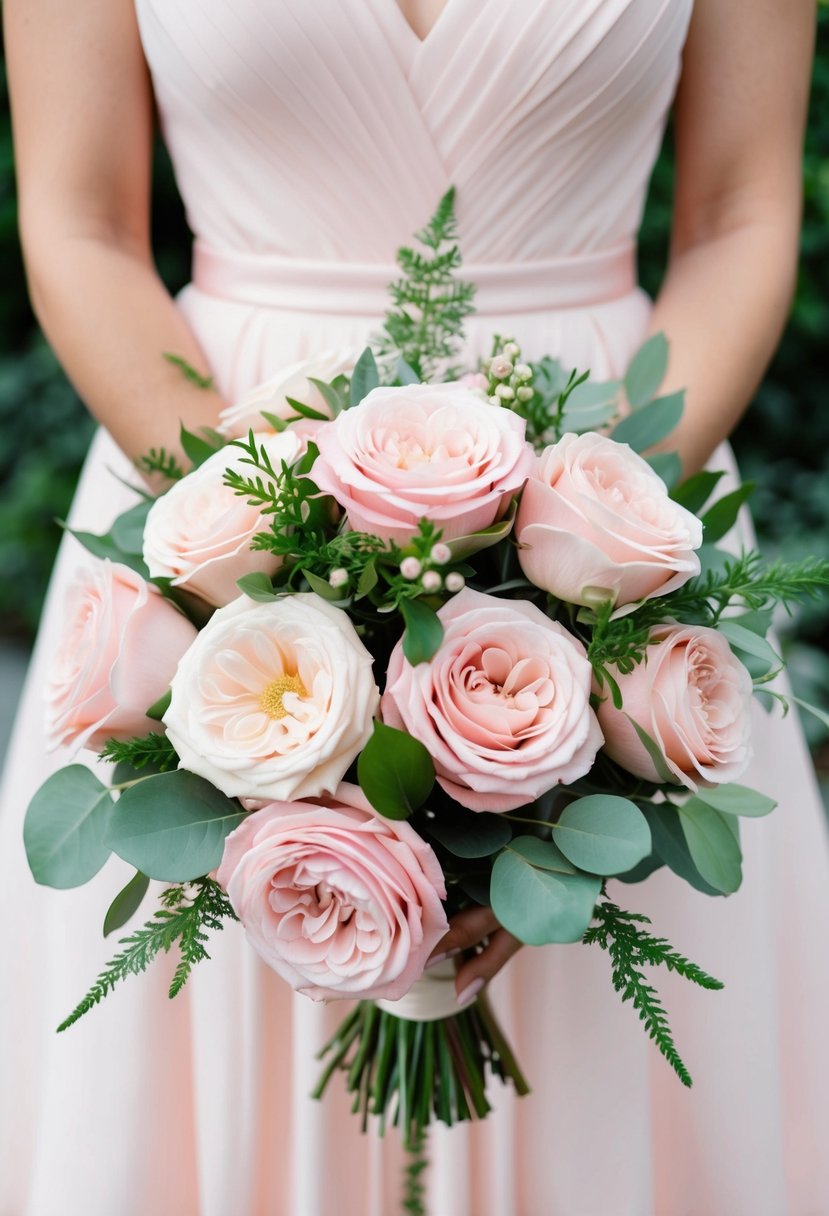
x: 412, y: 32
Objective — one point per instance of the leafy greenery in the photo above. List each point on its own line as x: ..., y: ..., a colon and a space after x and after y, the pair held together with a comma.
x: 184, y: 918
x: 154, y: 750
x: 631, y: 948
x: 66, y: 826
x: 395, y: 772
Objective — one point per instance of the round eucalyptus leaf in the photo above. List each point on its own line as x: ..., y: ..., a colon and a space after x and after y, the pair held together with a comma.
x: 737, y: 800
x: 541, y: 903
x: 173, y: 826
x: 713, y: 844
x: 603, y: 834
x: 469, y: 833
x: 65, y: 828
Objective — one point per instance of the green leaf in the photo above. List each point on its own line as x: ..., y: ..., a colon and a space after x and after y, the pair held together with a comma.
x: 654, y: 751
x: 721, y: 518
x: 666, y: 465
x: 405, y: 373
x: 603, y: 834
x: 395, y: 772
x: 173, y: 826
x: 740, y: 638
x: 188, y: 371
x: 257, y: 586
x: 159, y: 708
x: 322, y: 587
x: 469, y: 833
x: 307, y: 411
x: 128, y: 530
x: 368, y: 578
x: 541, y: 903
x: 820, y: 714
x: 365, y: 376
x: 712, y: 844
x: 274, y: 421
x: 694, y: 493
x: 592, y: 393
x: 464, y: 546
x: 643, y: 870
x: 647, y: 371
x: 650, y: 424
x: 737, y: 800
x: 65, y: 828
x: 105, y: 548
x: 424, y: 632
x: 196, y: 449
x: 126, y: 903
x: 333, y: 399
x: 670, y: 844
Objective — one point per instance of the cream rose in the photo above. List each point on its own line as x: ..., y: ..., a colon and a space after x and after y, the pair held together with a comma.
x: 198, y: 534
x: 432, y: 451
x: 337, y: 900
x: 119, y: 649
x: 504, y: 705
x: 596, y: 522
x: 292, y: 381
x: 692, y: 696
x: 273, y: 700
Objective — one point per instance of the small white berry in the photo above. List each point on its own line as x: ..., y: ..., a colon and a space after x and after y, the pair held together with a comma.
x: 455, y: 581
x: 410, y: 568
x: 525, y: 393
x: 505, y: 392
x: 512, y: 350
x: 441, y: 554
x: 500, y: 367
x: 523, y: 371
x: 431, y: 581
x: 338, y: 578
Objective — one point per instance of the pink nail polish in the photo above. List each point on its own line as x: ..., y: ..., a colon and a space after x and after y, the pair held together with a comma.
x: 433, y: 962
x: 471, y: 991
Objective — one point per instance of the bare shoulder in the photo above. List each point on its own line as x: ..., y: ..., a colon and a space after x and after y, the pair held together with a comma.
x: 81, y: 107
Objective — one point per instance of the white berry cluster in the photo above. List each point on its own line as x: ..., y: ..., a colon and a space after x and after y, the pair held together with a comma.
x: 431, y: 580
x: 509, y: 379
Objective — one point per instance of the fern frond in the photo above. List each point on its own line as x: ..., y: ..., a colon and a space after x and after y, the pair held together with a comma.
x: 154, y: 749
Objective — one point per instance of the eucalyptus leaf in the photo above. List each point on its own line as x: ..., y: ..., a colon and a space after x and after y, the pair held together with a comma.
x: 740, y: 638
x: 322, y: 587
x: 469, y: 833
x: 654, y: 752
x: 586, y: 418
x: 335, y: 400
x: 395, y: 772
x: 405, y: 373
x: 694, y: 493
x: 128, y: 530
x: 368, y: 578
x: 126, y: 903
x: 670, y: 845
x: 712, y: 844
x: 591, y: 393
x: 737, y: 800
x: 603, y: 834
x: 257, y: 586
x: 722, y: 516
x: 173, y: 826
x: 105, y: 548
x: 424, y: 632
x: 66, y: 826
x: 365, y: 376
x: 666, y: 465
x: 540, y: 904
x: 651, y: 423
x: 643, y: 870
x: 646, y: 371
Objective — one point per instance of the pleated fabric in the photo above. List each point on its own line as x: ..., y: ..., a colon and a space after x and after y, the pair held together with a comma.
x: 310, y: 138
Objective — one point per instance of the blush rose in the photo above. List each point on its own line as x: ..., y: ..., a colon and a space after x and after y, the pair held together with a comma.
x: 117, y: 654
x: 596, y: 522
x: 504, y: 705
x: 198, y: 534
x: 692, y: 696
x: 337, y: 900
x: 431, y: 451
x: 273, y: 700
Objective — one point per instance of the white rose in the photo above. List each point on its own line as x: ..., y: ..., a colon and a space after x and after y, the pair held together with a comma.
x: 273, y: 700
x: 292, y: 381
x: 198, y: 534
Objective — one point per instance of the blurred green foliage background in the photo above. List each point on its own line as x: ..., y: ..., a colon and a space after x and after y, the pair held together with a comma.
x: 783, y: 444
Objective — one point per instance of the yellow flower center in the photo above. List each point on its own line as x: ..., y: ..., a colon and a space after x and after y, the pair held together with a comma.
x: 270, y: 701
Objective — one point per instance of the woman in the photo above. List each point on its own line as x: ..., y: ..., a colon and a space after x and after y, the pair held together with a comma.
x: 310, y: 140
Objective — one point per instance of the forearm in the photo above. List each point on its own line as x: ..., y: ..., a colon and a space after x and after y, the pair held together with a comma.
x: 110, y: 320
x: 723, y: 306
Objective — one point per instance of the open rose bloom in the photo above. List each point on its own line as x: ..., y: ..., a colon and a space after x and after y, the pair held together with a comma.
x: 339, y: 901
x: 692, y: 696
x: 424, y: 451
x: 503, y: 707
x: 294, y: 381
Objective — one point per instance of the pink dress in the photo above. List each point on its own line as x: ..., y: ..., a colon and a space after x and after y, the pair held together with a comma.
x: 310, y: 139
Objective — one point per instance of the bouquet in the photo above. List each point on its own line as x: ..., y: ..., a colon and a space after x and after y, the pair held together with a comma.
x: 409, y: 637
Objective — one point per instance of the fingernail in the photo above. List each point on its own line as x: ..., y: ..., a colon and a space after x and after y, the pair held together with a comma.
x: 438, y: 958
x: 471, y: 991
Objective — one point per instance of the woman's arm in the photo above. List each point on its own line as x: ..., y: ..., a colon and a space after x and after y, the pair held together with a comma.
x: 83, y: 114
x: 740, y: 116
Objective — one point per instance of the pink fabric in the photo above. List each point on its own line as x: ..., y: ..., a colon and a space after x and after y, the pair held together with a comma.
x: 324, y: 132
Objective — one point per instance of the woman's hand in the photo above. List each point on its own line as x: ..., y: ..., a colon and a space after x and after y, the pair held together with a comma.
x: 475, y: 927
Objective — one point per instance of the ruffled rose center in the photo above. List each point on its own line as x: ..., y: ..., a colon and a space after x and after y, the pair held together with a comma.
x: 626, y: 494
x: 426, y: 444
x: 507, y: 698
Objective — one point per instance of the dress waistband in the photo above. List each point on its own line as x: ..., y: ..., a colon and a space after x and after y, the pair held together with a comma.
x: 361, y: 288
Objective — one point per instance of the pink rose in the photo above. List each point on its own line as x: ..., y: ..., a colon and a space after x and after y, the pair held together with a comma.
x: 198, y: 534
x: 273, y: 700
x: 337, y: 900
x: 293, y: 381
x: 433, y: 451
x: 596, y: 523
x: 117, y: 654
x: 504, y: 705
x: 692, y: 696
